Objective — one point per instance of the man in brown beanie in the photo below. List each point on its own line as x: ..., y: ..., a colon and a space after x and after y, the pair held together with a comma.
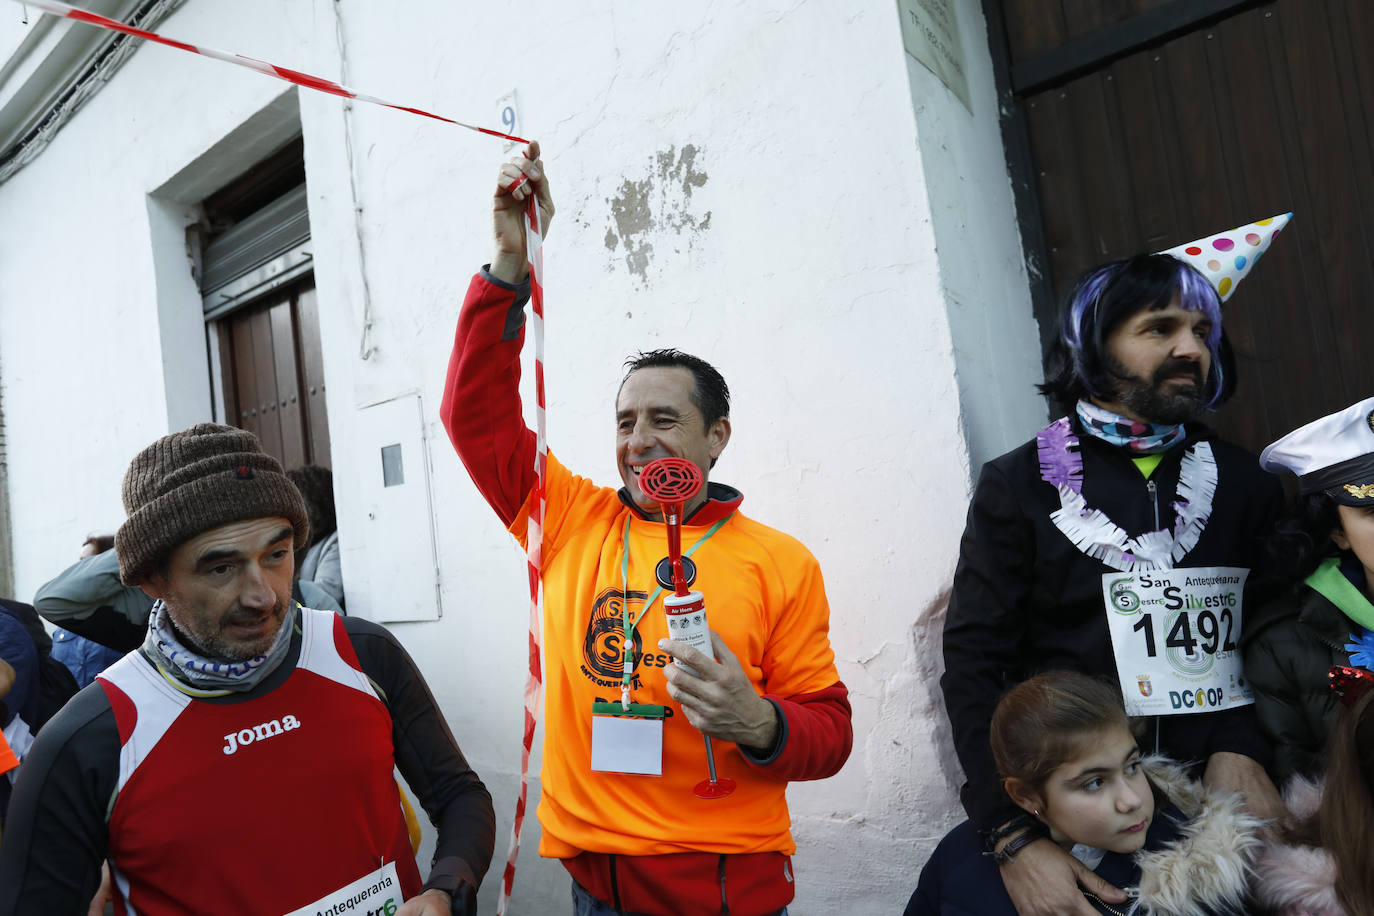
x: 241, y: 760
x: 98, y: 597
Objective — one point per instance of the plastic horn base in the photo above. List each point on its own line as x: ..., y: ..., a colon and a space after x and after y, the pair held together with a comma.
x: 718, y: 789
x: 670, y: 480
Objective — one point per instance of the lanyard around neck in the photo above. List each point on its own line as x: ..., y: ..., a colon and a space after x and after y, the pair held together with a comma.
x: 628, y: 624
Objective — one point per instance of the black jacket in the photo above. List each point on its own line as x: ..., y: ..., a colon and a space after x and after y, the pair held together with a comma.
x: 1026, y: 600
x: 1290, y: 644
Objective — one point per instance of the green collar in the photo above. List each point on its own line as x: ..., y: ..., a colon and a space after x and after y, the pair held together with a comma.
x: 1146, y: 464
x: 1329, y: 582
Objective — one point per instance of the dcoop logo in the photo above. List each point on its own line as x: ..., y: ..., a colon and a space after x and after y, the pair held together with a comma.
x: 1197, y: 699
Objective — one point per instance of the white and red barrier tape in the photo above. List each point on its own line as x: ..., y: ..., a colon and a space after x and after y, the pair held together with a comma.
x: 534, y: 540
x: 320, y: 84
x: 534, y: 684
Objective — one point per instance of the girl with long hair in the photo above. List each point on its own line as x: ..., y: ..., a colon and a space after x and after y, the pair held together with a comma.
x: 1325, y: 547
x: 1322, y: 868
x: 1068, y: 758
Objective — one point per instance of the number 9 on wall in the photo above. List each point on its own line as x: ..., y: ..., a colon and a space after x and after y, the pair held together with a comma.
x: 508, y: 115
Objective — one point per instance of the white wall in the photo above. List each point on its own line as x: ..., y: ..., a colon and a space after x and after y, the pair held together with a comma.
x: 795, y: 234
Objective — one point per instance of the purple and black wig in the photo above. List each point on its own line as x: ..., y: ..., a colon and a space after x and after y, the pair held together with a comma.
x: 1102, y: 298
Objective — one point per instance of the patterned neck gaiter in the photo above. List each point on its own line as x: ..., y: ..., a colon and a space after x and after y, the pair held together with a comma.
x: 164, y: 645
x: 1137, y: 437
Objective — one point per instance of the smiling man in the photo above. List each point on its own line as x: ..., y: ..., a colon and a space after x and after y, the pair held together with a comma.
x: 1118, y: 542
x: 617, y: 802
x: 241, y: 760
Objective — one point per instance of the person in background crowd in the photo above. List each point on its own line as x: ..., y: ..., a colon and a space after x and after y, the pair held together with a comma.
x: 319, y: 563
x: 1069, y: 760
x: 19, y: 691
x: 1072, y: 538
x: 9, y: 761
x: 773, y: 703
x: 1321, y: 866
x: 1326, y: 547
x: 241, y: 761
x: 85, y: 658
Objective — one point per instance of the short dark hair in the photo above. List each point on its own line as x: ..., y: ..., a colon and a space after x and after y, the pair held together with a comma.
x: 1076, y: 366
x: 317, y: 487
x: 101, y: 542
x: 710, y: 394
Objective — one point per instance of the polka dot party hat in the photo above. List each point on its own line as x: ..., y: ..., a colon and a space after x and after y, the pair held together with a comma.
x: 1227, y: 257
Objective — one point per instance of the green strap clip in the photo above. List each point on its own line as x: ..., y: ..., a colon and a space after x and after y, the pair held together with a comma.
x: 636, y: 710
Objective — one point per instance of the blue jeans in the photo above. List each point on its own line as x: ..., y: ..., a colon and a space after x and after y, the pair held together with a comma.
x: 584, y: 904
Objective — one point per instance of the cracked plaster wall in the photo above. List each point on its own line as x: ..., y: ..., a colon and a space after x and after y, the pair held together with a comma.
x: 744, y: 180
x: 658, y: 205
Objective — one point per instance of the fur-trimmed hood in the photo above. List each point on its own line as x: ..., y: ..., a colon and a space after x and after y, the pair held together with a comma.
x: 1206, y: 867
x: 1294, y: 880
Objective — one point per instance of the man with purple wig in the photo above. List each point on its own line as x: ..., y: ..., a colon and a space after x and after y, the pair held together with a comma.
x: 1118, y: 542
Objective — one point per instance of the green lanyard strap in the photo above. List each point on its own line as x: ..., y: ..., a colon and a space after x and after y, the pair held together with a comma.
x: 628, y: 624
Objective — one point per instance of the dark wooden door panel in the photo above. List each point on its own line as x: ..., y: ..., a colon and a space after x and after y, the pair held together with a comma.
x: 265, y: 381
x: 273, y: 372
x: 244, y: 378
x: 287, y: 406
x: 1268, y: 110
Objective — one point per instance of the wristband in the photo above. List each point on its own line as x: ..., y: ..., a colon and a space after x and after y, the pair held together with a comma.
x: 1020, y: 822
x: 1007, y: 853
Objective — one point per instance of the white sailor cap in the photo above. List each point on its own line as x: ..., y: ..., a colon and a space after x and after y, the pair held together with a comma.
x: 1334, y: 454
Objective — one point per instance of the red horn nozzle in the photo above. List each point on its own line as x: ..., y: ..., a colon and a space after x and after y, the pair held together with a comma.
x: 670, y: 480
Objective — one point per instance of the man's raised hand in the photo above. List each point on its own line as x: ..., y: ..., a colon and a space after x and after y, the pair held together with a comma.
x: 522, y: 176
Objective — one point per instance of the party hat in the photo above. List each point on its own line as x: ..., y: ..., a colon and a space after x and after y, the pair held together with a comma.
x: 1227, y: 257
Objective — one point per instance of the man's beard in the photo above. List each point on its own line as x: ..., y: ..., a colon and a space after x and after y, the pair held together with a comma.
x: 1148, y: 398
x: 213, y: 644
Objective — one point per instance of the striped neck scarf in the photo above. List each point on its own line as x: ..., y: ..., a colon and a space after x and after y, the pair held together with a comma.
x: 1138, y: 437
x: 164, y: 646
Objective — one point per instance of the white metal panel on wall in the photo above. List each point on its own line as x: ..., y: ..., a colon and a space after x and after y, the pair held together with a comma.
x: 388, y: 554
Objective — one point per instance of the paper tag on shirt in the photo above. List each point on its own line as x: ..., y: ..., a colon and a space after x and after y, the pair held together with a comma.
x: 1176, y: 637
x: 627, y: 744
x: 379, y: 892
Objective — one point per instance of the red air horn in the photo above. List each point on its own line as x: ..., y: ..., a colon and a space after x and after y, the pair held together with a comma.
x: 671, y: 482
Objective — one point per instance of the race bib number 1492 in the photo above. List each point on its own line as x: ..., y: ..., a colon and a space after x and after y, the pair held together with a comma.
x: 1176, y: 634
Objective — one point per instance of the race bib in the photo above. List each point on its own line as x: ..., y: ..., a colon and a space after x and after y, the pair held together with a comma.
x: 1176, y: 637
x: 378, y: 893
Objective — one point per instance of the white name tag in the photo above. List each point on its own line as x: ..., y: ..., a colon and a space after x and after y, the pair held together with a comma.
x: 379, y: 892
x: 622, y: 744
x: 1176, y: 637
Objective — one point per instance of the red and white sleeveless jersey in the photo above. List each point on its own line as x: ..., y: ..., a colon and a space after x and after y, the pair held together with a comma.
x: 263, y: 806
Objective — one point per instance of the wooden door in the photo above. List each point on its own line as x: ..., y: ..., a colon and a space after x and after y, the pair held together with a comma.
x: 1140, y: 124
x: 273, y: 376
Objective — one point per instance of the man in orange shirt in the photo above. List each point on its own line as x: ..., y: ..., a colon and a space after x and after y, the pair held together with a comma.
x: 623, y: 816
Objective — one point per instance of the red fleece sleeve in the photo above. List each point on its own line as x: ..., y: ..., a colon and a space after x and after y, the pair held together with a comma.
x: 481, y: 405
x: 816, y: 735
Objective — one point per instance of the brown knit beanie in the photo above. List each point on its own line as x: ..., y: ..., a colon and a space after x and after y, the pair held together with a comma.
x: 190, y: 482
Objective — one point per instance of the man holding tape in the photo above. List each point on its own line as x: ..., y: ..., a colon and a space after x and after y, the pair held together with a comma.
x: 1119, y: 542
x: 618, y: 804
x: 241, y: 760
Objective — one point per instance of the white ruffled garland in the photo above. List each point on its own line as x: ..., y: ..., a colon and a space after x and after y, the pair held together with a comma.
x: 1096, y: 535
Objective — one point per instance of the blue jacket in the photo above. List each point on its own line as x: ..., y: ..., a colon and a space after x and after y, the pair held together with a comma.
x: 84, y: 658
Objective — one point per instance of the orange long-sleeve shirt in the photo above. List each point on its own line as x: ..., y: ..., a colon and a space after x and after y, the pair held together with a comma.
x: 764, y: 595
